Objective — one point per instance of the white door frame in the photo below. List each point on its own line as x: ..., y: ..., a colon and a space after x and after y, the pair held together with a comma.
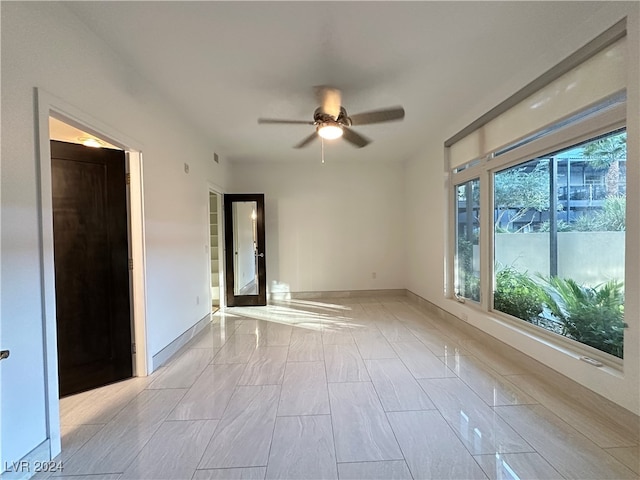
x: 49, y: 105
x: 213, y: 188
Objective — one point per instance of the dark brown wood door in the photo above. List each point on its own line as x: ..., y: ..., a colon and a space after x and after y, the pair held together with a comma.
x: 91, y: 266
x: 245, y: 256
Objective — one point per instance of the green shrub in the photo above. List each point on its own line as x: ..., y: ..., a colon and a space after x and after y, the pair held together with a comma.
x: 613, y: 216
x: 517, y: 294
x: 561, y: 226
x: 590, y: 315
x: 610, y: 218
x: 469, y: 282
x: 586, y: 223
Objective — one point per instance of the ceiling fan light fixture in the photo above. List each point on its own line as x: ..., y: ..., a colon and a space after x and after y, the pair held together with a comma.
x: 330, y: 131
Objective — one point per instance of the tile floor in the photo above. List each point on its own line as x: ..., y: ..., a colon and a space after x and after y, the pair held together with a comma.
x: 360, y: 388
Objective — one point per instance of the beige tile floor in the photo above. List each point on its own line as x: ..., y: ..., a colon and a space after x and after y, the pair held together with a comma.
x: 360, y: 388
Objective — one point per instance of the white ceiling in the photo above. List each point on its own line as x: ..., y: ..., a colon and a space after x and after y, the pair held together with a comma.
x: 224, y: 64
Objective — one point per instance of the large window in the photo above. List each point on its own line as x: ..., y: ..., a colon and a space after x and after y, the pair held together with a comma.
x: 559, y: 236
x: 538, y: 205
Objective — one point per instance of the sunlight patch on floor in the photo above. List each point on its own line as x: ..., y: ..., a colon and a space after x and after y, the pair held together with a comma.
x: 306, y: 316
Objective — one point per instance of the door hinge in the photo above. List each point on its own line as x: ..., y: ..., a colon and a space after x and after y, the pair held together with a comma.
x: 131, y: 264
x: 128, y: 178
x: 133, y: 348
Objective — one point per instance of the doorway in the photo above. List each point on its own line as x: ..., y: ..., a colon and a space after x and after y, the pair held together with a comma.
x: 52, y: 110
x: 245, y: 261
x: 214, y: 250
x: 91, y: 258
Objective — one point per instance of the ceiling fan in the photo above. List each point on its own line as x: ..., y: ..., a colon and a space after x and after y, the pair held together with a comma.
x: 332, y: 121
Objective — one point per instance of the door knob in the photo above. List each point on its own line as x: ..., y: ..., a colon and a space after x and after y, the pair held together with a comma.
x: 260, y: 255
x: 4, y: 354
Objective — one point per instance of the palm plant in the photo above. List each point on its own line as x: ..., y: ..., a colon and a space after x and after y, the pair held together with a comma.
x: 590, y: 315
x: 613, y: 215
x: 610, y: 218
x: 606, y: 153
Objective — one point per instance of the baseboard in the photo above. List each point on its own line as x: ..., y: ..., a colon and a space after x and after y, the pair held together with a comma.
x: 37, y: 460
x: 401, y: 292
x: 170, y: 350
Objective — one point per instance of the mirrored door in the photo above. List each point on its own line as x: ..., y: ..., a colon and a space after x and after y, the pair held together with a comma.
x: 244, y: 249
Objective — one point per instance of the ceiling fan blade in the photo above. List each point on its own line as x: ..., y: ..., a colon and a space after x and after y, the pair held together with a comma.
x: 329, y: 99
x: 307, y: 140
x: 354, y: 138
x: 290, y: 122
x: 378, y: 116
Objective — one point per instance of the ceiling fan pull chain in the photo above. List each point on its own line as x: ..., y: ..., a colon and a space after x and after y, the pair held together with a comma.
x: 322, y: 148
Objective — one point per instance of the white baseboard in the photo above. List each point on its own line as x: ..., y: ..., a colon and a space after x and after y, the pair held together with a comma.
x: 170, y: 350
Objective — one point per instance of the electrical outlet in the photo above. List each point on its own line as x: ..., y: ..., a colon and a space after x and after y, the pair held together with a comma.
x: 186, y: 168
x: 198, y: 300
x: 374, y: 275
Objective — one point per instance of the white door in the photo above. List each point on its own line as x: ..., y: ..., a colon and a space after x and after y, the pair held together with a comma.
x: 23, y: 400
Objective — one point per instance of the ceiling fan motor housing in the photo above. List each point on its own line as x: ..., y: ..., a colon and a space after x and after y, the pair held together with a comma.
x: 320, y: 117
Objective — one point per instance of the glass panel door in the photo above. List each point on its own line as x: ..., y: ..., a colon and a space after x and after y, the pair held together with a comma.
x: 244, y: 249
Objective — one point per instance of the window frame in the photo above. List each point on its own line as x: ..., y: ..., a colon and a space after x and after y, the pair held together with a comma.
x: 607, y: 120
x: 454, y: 289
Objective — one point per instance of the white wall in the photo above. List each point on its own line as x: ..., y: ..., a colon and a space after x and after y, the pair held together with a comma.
x: 44, y: 46
x: 425, y: 213
x: 330, y: 226
x: 426, y: 195
x: 529, y: 252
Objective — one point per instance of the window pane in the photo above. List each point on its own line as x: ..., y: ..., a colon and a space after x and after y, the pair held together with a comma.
x: 467, y: 269
x: 559, y: 225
